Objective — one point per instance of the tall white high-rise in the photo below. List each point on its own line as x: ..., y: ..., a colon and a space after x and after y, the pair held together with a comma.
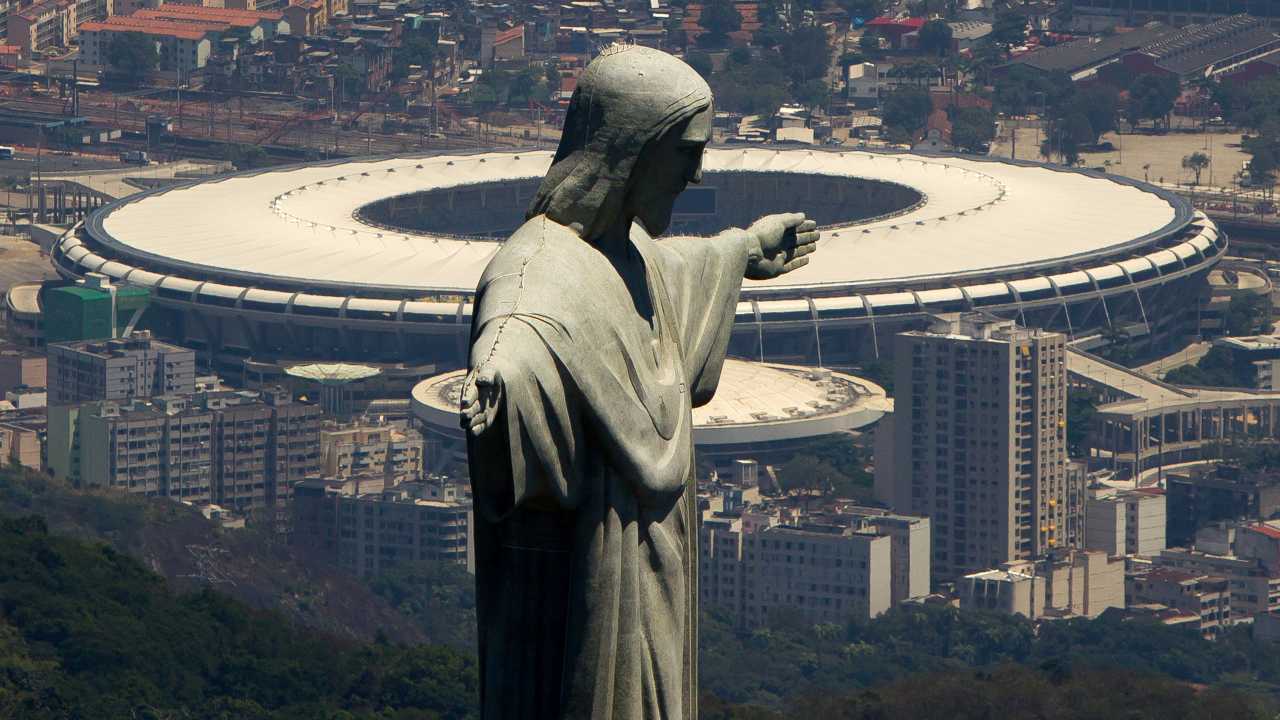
x: 979, y: 441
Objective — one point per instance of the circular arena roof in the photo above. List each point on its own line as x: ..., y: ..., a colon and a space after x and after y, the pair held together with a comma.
x: 754, y: 403
x: 300, y: 226
x: 333, y: 373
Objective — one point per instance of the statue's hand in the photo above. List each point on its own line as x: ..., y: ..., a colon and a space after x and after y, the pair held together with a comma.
x: 784, y: 241
x: 482, y: 393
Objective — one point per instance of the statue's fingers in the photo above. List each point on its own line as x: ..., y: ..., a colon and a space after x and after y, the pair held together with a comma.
x: 807, y: 226
x: 802, y: 250
x: 467, y: 414
x: 479, y: 423
x: 795, y: 264
x: 808, y: 238
x: 469, y: 394
x: 785, y: 220
x: 486, y: 376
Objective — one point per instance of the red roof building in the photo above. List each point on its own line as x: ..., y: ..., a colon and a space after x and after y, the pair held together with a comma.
x: 893, y: 29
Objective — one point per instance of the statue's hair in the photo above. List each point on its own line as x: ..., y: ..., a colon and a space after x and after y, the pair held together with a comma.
x: 627, y: 97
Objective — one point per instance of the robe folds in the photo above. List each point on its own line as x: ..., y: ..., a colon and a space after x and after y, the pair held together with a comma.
x: 585, y: 505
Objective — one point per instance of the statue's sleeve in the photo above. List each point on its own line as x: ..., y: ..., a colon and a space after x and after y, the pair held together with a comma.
x: 703, y: 277
x: 530, y: 453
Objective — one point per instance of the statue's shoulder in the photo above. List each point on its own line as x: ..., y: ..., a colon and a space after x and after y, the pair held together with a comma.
x: 537, y: 239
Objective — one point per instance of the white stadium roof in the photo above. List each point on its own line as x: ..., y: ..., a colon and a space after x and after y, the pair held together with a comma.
x: 299, y: 224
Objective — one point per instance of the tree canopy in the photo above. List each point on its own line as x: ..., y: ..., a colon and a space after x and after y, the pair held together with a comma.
x: 1151, y: 97
x: 907, y: 110
x: 132, y: 56
x: 89, y: 633
x: 935, y: 38
x: 1009, y: 28
x: 414, y: 49
x: 972, y: 129
x: 1196, y: 162
x: 718, y: 18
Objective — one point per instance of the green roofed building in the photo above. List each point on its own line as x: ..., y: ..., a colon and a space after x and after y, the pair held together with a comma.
x: 83, y: 312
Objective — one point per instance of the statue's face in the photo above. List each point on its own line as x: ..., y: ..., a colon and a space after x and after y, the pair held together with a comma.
x: 665, y: 168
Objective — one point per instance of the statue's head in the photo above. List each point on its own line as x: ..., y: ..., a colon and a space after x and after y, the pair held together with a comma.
x: 633, y: 139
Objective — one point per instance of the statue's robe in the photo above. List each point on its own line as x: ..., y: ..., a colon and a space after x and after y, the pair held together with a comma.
x: 585, y: 498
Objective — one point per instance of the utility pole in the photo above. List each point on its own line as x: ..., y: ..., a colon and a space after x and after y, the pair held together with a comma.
x: 75, y: 88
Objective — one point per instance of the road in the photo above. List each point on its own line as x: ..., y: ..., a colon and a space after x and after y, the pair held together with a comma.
x: 21, y: 261
x: 25, y: 162
x: 113, y: 182
x: 1189, y: 355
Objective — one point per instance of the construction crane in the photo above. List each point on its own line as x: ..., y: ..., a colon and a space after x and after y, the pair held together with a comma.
x: 300, y: 117
x: 355, y: 117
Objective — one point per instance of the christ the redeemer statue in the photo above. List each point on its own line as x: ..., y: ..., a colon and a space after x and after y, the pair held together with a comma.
x: 590, y: 343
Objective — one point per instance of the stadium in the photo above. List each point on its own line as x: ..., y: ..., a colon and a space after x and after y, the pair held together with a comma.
x: 375, y: 260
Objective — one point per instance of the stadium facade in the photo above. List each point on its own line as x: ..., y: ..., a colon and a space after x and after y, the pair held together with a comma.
x: 375, y: 260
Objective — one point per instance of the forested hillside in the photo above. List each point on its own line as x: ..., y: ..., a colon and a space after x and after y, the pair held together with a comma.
x: 86, y: 632
x: 193, y: 553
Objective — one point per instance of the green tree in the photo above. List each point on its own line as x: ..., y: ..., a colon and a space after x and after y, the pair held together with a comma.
x: 132, y: 56
x: 806, y: 54
x: 972, y: 129
x: 984, y: 57
x: 1248, y: 314
x: 1151, y: 97
x: 1196, y: 162
x: 1264, y: 154
x: 699, y: 61
x: 807, y: 475
x: 350, y: 82
x: 414, y: 50
x: 1218, y: 368
x: 907, y: 110
x: 526, y: 86
x: 1009, y: 29
x: 718, y: 18
x: 935, y: 38
x: 813, y: 93
x: 1022, y: 91
x: 1065, y: 136
x: 1080, y: 412
x: 756, y: 88
x: 1101, y: 105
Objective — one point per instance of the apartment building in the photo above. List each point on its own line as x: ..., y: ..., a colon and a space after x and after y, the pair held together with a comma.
x: 43, y: 25
x: 371, y: 449
x: 909, y: 552
x: 980, y: 442
x: 1205, y: 598
x: 241, y: 450
x: 184, y: 46
x: 1253, y: 591
x: 120, y: 369
x: 1126, y: 522
x: 19, y: 445
x: 306, y: 17
x: 156, y: 449
x: 254, y: 25
x: 751, y: 565
x: 1079, y: 584
x: 371, y: 533
x: 1200, y: 496
x: 20, y: 368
